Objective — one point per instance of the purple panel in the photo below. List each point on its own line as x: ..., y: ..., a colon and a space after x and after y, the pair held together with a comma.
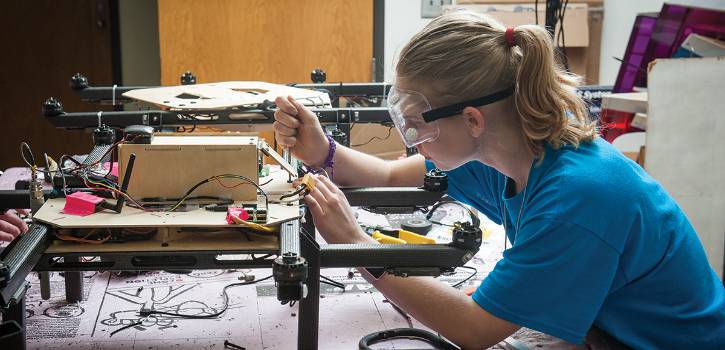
x: 662, y: 38
x: 638, y: 40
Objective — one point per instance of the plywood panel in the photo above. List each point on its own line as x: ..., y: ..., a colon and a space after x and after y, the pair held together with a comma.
x: 685, y: 143
x: 274, y: 41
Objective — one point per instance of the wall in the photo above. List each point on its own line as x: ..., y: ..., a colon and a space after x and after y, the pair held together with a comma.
x: 618, y: 20
x: 402, y: 21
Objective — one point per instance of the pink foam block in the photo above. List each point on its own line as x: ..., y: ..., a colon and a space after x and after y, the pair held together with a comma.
x: 237, y: 212
x: 81, y: 204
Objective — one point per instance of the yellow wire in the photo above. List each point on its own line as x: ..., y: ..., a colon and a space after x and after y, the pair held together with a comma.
x: 217, y: 177
x: 111, y: 188
x: 253, y: 225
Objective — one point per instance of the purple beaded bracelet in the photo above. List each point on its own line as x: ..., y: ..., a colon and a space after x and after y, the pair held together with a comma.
x: 329, y: 161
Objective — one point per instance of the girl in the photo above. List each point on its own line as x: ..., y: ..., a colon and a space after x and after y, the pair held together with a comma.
x: 595, y: 240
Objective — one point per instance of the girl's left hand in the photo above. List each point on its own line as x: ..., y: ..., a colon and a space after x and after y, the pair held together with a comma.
x: 334, y: 218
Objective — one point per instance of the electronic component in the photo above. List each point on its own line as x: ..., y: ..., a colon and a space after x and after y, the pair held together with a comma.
x: 139, y: 134
x: 307, y: 184
x: 103, y: 135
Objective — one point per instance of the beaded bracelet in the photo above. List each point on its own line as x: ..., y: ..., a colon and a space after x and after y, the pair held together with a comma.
x: 329, y: 161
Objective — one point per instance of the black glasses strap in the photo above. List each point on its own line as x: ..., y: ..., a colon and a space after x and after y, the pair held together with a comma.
x: 457, y: 108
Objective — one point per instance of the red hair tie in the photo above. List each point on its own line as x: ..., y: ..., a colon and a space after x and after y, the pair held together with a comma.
x: 510, y: 37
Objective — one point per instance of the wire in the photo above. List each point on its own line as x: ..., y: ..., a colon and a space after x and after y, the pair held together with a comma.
x: 292, y: 194
x: 126, y: 327
x: 460, y: 283
x: 475, y: 221
x: 440, y: 223
x: 145, y: 313
x: 114, y: 190
x: 562, y: 45
x: 223, y: 176
x: 250, y: 224
x: 225, y: 186
x: 390, y: 129
x: 329, y: 281
x: 69, y: 238
x: 23, y: 147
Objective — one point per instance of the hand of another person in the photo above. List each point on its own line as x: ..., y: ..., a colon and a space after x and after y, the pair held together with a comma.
x: 11, y: 225
x: 334, y: 218
x: 298, y: 129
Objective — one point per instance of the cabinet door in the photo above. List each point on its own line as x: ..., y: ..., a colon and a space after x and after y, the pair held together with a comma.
x: 276, y: 41
x: 45, y: 42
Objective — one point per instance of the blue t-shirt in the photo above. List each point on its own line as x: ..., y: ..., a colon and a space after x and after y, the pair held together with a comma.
x: 599, y: 242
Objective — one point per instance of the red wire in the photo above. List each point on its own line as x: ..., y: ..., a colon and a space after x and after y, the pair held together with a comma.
x: 225, y: 186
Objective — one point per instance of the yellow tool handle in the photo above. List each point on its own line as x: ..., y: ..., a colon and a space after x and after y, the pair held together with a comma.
x: 403, y: 238
x: 385, y: 239
x: 414, y: 238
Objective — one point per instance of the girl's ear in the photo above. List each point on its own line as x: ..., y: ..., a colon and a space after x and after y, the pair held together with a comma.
x: 475, y: 121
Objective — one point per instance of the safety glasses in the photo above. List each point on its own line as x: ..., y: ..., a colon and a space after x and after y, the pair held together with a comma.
x: 416, y: 120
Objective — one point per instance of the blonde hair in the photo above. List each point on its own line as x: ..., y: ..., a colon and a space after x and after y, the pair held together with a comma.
x: 466, y: 55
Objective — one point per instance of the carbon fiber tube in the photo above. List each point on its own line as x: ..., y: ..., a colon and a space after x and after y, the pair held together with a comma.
x: 393, y: 255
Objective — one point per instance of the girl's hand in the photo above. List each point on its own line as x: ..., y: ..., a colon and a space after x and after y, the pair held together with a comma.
x: 334, y: 218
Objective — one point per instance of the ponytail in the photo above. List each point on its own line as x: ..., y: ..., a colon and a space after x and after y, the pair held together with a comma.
x: 546, y: 100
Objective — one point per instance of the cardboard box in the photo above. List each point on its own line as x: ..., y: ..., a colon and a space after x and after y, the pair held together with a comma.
x: 576, y: 25
x: 171, y: 165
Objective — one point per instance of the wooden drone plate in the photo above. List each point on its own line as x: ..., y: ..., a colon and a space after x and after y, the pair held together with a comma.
x: 52, y: 212
x: 224, y: 95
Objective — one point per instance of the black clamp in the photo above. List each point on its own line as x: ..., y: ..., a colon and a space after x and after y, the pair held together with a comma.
x: 290, y: 273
